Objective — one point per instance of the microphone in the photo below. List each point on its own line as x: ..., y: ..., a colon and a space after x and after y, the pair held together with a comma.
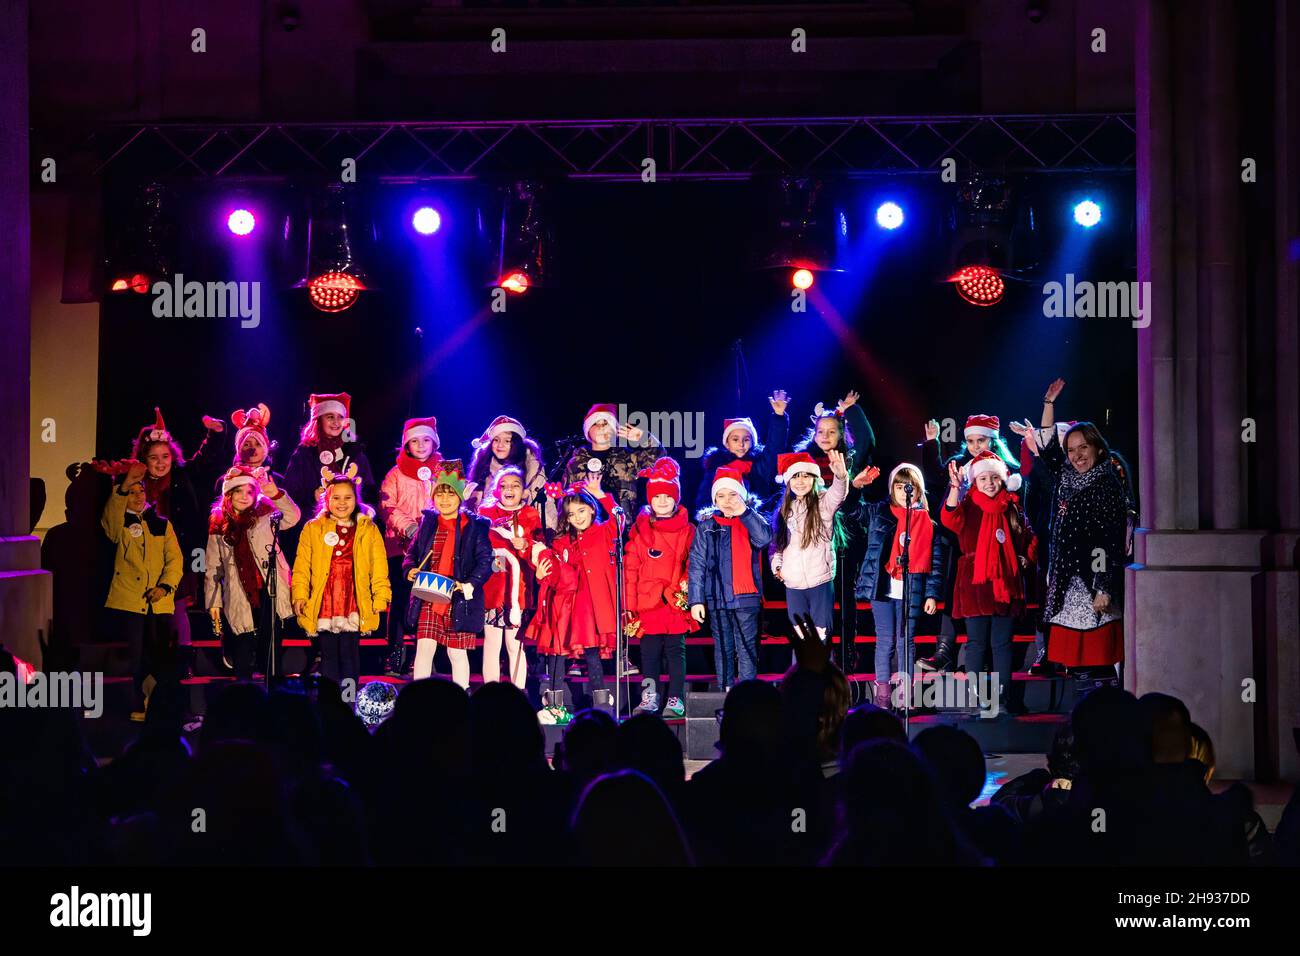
x: 277, y: 517
x: 909, y: 489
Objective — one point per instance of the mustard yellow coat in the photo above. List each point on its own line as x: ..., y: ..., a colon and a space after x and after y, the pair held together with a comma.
x: 311, y: 571
x: 144, y: 560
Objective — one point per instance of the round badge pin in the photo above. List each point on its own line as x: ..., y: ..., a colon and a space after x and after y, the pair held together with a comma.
x: 331, y: 538
x: 135, y: 531
x: 1001, y: 536
x: 424, y: 473
x: 326, y: 457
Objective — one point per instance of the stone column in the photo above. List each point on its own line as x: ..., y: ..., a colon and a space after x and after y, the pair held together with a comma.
x: 1211, y: 613
x: 25, y: 590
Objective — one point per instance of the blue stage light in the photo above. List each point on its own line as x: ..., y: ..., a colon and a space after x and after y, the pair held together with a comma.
x: 889, y: 215
x: 426, y: 220
x: 1087, y: 213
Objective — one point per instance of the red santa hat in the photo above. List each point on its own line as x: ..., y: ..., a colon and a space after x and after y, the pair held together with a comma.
x: 982, y: 426
x: 421, y: 428
x: 251, y: 424
x: 239, y: 475
x: 155, y: 432
x: 794, y: 463
x: 597, y: 414
x: 500, y: 426
x: 987, y: 461
x: 664, y: 479
x: 340, y: 404
x: 730, y: 425
x: 728, y: 478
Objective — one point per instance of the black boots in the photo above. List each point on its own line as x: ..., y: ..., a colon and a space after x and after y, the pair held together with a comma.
x: 945, y: 656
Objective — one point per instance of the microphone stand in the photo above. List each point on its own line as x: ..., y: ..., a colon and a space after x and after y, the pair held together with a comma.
x: 620, y: 639
x: 272, y: 586
x: 903, y: 562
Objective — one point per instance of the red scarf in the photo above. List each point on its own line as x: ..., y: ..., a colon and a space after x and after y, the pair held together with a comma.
x: 444, y: 558
x: 921, y: 552
x: 995, y: 560
x: 742, y: 571
x: 238, y: 525
x: 823, y: 462
x: 157, y: 492
x: 410, y: 467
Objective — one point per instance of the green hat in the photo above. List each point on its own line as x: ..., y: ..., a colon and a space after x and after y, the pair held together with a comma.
x: 451, y: 472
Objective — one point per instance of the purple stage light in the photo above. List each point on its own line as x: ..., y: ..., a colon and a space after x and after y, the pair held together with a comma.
x: 241, y: 222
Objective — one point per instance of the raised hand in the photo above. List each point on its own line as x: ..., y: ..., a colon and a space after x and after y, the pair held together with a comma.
x: 136, y: 470
x: 779, y: 401
x: 850, y: 399
x: 866, y: 476
x: 954, y: 474
x: 932, y: 430
x: 809, y: 651
x: 838, y: 468
x: 631, y: 433
x: 1054, y: 390
x: 593, y: 487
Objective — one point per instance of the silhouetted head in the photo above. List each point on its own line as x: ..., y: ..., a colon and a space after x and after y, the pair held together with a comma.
x: 623, y: 819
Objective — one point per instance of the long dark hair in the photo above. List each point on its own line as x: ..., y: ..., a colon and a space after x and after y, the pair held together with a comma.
x: 845, y: 447
x: 562, y: 527
x: 480, y: 466
x: 813, y: 531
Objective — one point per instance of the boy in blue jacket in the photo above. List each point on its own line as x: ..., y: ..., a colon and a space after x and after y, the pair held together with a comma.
x: 724, y: 576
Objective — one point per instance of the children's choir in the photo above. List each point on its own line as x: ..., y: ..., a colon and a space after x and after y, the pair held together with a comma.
x: 438, y: 554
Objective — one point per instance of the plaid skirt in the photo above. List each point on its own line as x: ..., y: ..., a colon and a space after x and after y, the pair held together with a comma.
x: 437, y: 627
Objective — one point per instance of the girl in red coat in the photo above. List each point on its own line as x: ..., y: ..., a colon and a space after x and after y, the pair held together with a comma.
x: 516, y: 536
x: 658, y: 547
x: 996, y: 545
x: 576, y: 614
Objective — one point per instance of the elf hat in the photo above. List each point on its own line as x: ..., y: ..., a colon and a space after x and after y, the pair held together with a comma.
x: 252, y: 424
x: 793, y: 463
x: 239, y: 475
x: 982, y: 426
x: 600, y: 413
x: 987, y: 461
x: 730, y: 425
x: 727, y: 478
x: 664, y: 479
x: 500, y: 426
x: 421, y: 428
x: 451, y: 472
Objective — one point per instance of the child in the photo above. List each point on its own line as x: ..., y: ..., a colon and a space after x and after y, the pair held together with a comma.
x: 516, y: 537
x: 506, y: 443
x: 172, y: 485
x: 846, y: 430
x: 455, y: 544
x: 619, y: 463
x: 982, y: 433
x: 253, y: 446
x: 741, y: 451
x: 147, y: 566
x: 804, y: 533
x: 725, y: 576
x: 340, y: 576
x: 576, y: 604
x: 328, y: 439
x: 658, y: 548
x: 880, y: 578
x: 238, y: 561
x: 407, y: 492
x: 995, y: 544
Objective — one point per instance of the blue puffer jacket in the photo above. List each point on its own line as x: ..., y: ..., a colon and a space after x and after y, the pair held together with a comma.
x: 873, y: 583
x: 471, y: 564
x: 709, y: 571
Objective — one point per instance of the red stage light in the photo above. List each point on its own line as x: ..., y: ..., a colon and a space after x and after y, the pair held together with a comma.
x: 802, y: 279
x: 334, y: 291
x: 516, y: 282
x: 140, y: 283
x: 979, y: 285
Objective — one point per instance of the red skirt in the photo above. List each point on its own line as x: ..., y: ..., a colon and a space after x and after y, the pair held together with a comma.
x: 1091, y: 648
x: 436, y: 626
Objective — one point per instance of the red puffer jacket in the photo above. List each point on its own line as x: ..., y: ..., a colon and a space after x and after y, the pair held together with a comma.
x: 654, y: 569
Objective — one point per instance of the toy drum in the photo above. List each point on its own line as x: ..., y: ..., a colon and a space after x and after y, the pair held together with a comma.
x: 432, y: 587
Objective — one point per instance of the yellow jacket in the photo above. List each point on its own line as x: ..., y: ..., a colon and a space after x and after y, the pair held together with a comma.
x: 143, y: 560
x: 311, y: 570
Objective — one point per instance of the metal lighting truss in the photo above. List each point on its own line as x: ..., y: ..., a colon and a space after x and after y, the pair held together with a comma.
x: 615, y: 149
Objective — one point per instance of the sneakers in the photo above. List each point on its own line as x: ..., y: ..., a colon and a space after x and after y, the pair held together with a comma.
x: 628, y: 666
x: 395, y: 662
x: 649, y: 703
x: 674, y: 708
x: 557, y: 716
x: 575, y: 669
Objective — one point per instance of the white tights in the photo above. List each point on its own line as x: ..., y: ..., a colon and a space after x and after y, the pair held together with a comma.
x: 492, y: 635
x: 426, y: 647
